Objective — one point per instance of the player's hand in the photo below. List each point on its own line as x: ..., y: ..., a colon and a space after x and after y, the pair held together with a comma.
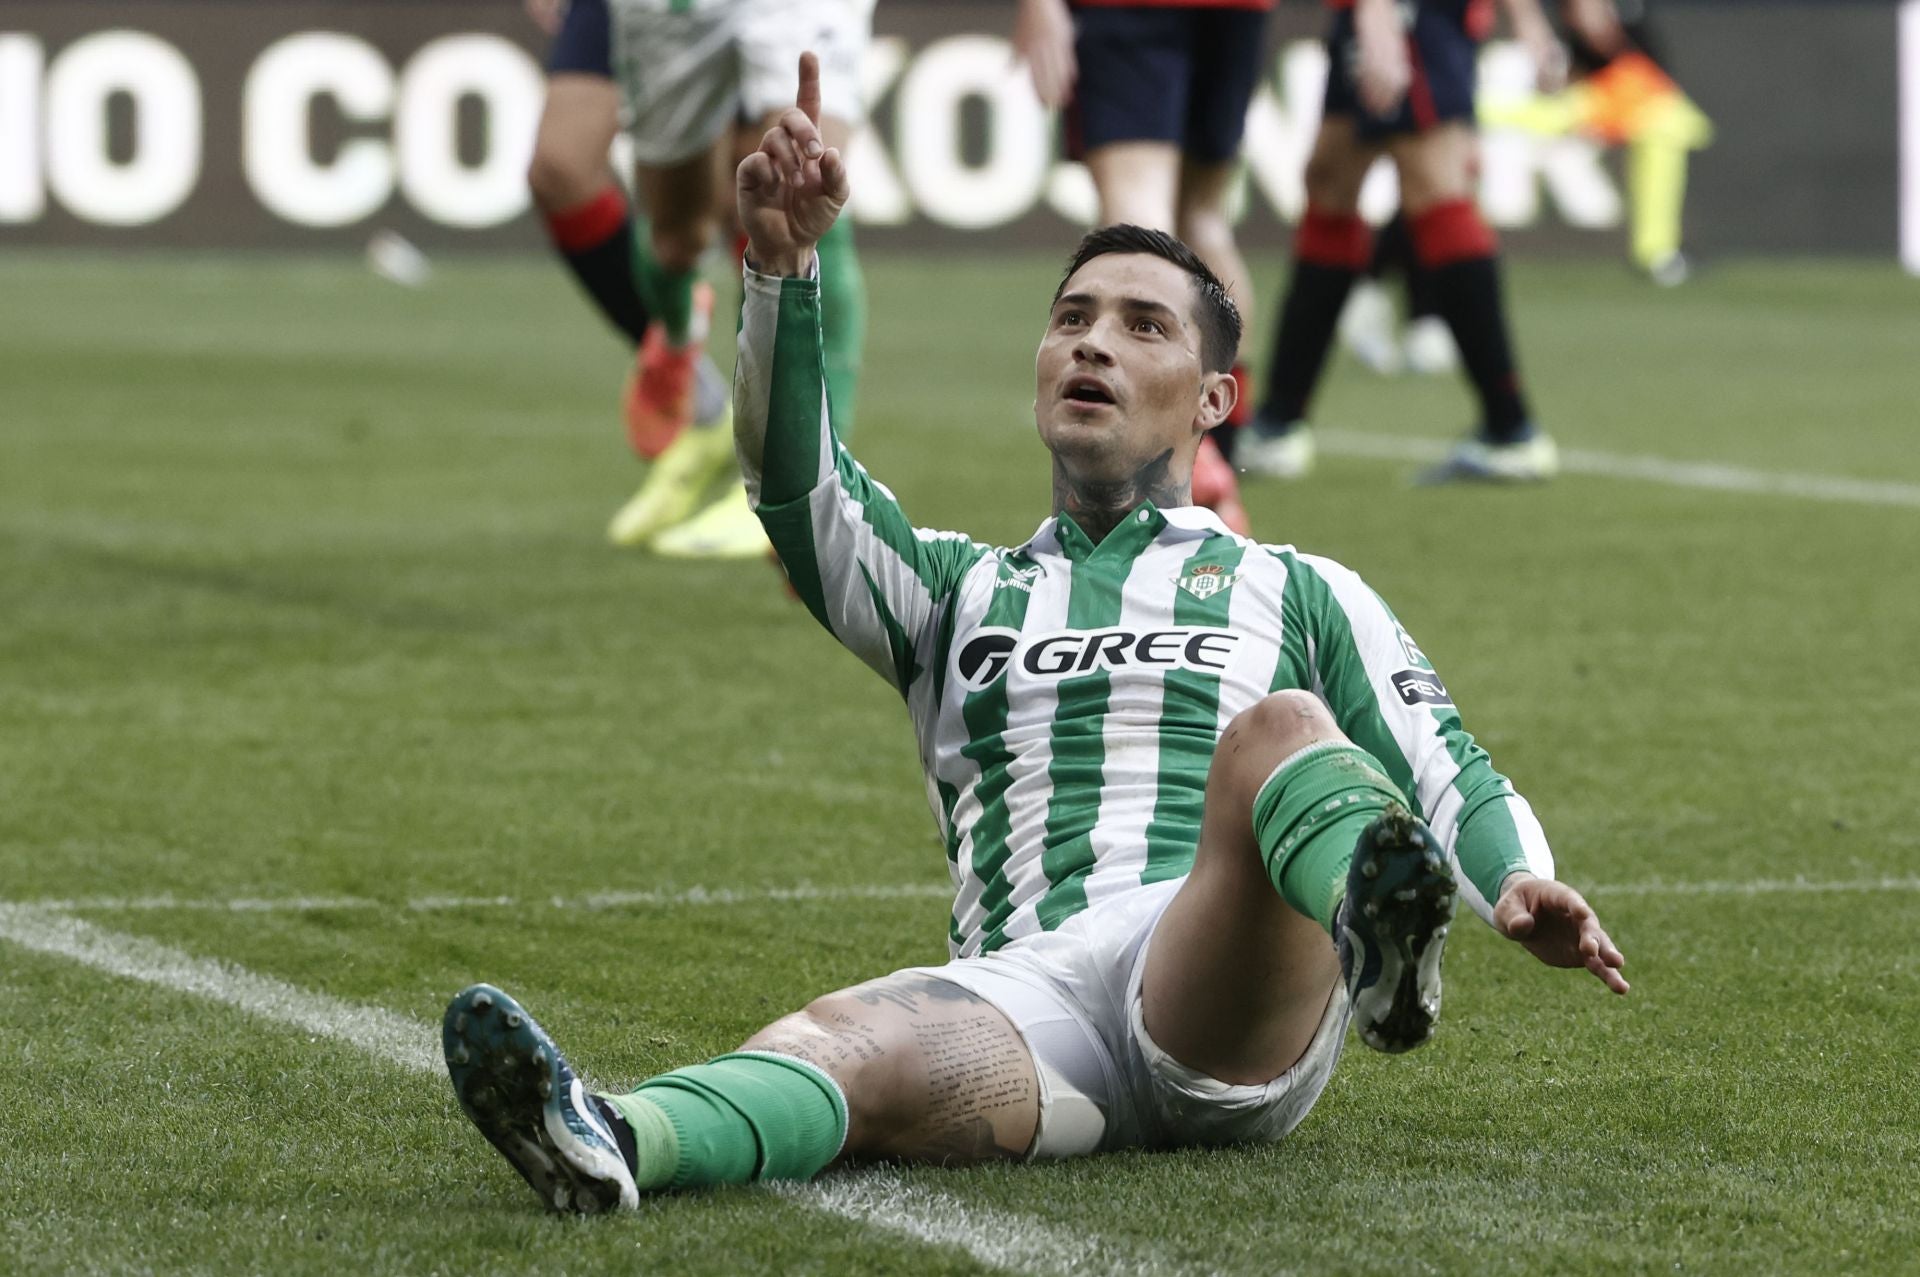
x: 792, y: 189
x: 1556, y: 925
x: 546, y: 14
x: 1043, y: 39
x: 1550, y: 61
x: 1597, y: 22
x: 1383, y: 71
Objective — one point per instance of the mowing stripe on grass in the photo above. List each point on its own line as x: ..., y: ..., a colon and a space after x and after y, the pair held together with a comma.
x: 720, y: 896
x: 1708, y: 475
x: 1755, y: 887
x: 658, y: 898
x: 882, y: 1199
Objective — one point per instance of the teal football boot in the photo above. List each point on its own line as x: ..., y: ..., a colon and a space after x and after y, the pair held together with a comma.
x: 525, y: 1098
x: 1392, y: 928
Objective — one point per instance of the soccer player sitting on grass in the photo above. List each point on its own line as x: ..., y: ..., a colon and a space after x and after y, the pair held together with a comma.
x: 1204, y: 801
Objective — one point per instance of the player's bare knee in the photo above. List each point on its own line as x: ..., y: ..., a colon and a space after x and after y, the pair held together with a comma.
x: 1274, y: 726
x: 1203, y: 228
x: 678, y: 246
x: 835, y: 1033
x: 1332, y: 180
x: 558, y: 182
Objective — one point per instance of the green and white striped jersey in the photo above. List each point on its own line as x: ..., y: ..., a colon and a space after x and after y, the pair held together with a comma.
x: 1067, y: 696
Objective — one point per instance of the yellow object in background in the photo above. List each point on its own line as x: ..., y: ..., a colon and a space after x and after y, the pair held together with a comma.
x: 1629, y: 102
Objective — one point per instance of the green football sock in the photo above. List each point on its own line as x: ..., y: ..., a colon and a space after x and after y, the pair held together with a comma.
x: 668, y: 294
x: 843, y: 322
x: 739, y: 1118
x: 1307, y: 817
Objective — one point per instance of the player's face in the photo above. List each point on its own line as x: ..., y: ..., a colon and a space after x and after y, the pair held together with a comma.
x: 1119, y: 378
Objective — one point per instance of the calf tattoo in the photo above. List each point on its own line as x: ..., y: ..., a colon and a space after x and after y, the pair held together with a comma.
x: 933, y: 1072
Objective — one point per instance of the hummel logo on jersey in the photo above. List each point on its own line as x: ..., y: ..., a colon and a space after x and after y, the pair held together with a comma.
x: 1421, y: 687
x: 1204, y: 580
x: 1068, y: 653
x: 1019, y: 579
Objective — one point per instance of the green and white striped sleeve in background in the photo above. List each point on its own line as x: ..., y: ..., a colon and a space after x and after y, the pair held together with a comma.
x: 876, y: 582
x: 1387, y: 698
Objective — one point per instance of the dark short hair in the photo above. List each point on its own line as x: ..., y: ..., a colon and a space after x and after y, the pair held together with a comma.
x: 1218, y: 317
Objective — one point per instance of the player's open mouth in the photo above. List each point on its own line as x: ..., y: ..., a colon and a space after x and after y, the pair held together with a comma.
x: 1085, y: 390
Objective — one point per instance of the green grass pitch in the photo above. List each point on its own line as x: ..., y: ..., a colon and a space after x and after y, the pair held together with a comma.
x: 303, y: 595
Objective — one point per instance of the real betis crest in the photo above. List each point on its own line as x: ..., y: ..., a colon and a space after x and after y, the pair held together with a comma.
x: 1204, y: 580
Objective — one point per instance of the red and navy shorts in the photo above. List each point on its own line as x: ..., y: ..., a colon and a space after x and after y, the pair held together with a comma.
x: 1443, y: 51
x: 1164, y: 73
x: 584, y: 44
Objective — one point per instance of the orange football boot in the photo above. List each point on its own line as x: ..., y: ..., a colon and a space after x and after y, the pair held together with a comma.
x: 659, y: 391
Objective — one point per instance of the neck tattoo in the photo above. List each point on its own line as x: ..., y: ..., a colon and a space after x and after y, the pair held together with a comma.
x: 1098, y: 505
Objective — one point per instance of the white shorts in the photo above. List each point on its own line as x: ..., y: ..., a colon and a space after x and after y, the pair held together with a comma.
x: 690, y: 71
x: 1074, y: 995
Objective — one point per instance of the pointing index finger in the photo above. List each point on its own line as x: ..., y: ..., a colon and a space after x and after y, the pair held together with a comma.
x: 808, y: 99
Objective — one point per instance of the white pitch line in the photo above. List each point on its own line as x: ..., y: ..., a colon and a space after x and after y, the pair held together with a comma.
x: 1017, y: 1244
x: 600, y: 900
x: 382, y: 1034
x: 1707, y: 475
x: 1755, y: 887
x: 882, y: 1199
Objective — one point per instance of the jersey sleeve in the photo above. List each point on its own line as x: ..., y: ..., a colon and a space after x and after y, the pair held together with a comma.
x: 876, y: 582
x: 1389, y: 701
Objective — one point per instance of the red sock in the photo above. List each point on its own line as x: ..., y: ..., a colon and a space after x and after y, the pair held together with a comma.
x: 1340, y: 240
x: 596, y: 240
x: 1329, y: 251
x: 1457, y: 249
x: 589, y: 224
x: 1451, y: 232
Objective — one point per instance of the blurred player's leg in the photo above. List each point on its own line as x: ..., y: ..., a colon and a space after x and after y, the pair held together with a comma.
x: 1425, y: 345
x: 1228, y: 48
x: 1202, y: 221
x: 1157, y: 115
x: 684, y: 473
x: 1330, y: 250
x: 770, y: 35
x: 843, y: 318
x: 1670, y: 126
x: 1454, y: 245
x: 679, y: 199
x: 677, y: 76
x: 586, y: 211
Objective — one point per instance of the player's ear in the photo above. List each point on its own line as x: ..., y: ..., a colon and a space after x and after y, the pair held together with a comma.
x: 1219, y: 392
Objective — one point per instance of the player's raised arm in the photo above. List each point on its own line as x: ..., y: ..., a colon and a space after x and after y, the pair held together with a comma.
x: 791, y: 190
x: 865, y: 572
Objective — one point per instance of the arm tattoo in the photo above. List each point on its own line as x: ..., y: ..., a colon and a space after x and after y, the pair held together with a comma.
x: 1098, y: 505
